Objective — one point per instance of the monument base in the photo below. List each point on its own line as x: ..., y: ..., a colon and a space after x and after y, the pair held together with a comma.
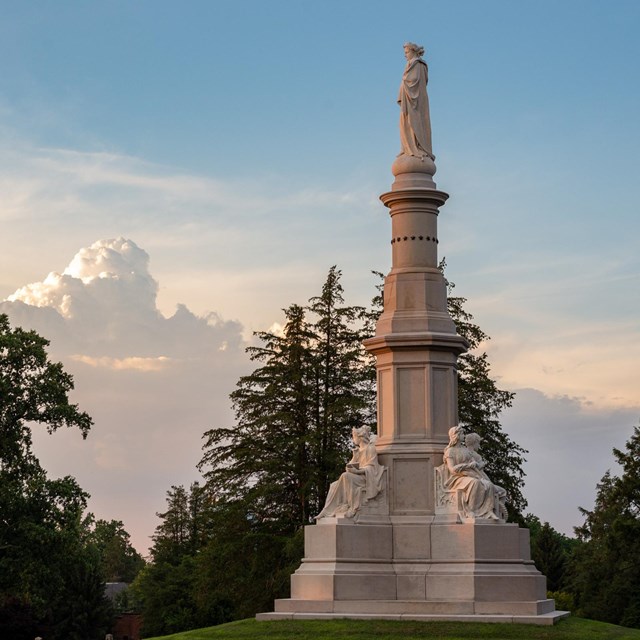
x: 417, y: 568
x: 309, y: 614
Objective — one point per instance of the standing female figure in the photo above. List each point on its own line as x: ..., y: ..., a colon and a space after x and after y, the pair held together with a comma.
x: 415, y: 123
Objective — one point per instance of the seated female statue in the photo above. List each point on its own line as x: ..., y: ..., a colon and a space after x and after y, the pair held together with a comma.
x: 360, y: 482
x: 465, y: 475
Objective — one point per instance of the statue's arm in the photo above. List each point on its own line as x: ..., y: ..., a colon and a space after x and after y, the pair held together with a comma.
x: 463, y: 466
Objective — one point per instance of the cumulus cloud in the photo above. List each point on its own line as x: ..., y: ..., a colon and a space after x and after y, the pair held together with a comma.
x: 141, y: 364
x: 196, y: 227
x: 109, y: 274
x: 153, y: 384
x: 106, y: 302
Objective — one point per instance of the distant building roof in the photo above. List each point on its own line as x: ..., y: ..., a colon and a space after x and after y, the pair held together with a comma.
x: 112, y: 589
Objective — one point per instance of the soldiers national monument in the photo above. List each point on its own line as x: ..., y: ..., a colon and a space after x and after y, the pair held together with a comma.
x: 414, y: 527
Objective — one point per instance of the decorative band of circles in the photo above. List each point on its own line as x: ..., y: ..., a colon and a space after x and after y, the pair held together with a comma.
x: 427, y: 238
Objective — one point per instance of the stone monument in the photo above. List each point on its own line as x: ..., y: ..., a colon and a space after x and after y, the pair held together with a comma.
x: 414, y: 527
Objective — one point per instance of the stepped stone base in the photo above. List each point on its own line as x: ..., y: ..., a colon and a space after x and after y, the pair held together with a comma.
x: 542, y: 619
x: 418, y: 569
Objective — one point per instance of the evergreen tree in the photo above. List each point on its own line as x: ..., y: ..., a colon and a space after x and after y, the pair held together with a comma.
x: 169, y: 591
x: 294, y: 414
x: 171, y: 539
x: 551, y: 551
x: 480, y: 403
x: 344, y: 393
x: 606, y: 567
x: 270, y: 472
x: 184, y: 525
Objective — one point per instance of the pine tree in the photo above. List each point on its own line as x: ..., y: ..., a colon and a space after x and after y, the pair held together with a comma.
x: 480, y: 403
x: 183, y: 527
x: 344, y: 393
x: 294, y: 414
x: 550, y: 551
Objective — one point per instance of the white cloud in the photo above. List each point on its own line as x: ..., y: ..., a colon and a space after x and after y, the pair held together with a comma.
x: 110, y: 273
x: 262, y: 233
x: 140, y: 364
x: 153, y: 384
x: 155, y: 377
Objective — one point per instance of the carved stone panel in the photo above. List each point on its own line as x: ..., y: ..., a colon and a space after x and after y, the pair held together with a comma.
x: 385, y: 402
x: 413, y: 486
x: 411, y: 385
x: 442, y: 403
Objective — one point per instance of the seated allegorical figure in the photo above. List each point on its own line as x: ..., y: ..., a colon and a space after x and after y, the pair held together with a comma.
x: 465, y: 476
x: 361, y: 480
x: 472, y: 442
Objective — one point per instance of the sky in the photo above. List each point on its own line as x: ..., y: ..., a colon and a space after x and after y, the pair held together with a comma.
x: 173, y: 174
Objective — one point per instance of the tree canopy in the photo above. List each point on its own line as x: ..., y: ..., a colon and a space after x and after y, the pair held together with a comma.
x: 294, y: 413
x: 605, y: 570
x: 53, y: 556
x: 226, y: 550
x: 480, y: 403
x: 33, y: 390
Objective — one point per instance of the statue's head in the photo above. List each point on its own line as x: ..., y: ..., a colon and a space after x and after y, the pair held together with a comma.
x: 472, y: 441
x: 455, y: 435
x: 412, y: 50
x: 361, y: 434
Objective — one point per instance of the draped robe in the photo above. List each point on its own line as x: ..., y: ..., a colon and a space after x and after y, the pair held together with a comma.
x: 464, y: 475
x: 352, y: 490
x: 415, y: 124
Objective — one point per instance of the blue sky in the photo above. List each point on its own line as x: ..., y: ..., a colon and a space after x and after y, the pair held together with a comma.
x: 243, y: 146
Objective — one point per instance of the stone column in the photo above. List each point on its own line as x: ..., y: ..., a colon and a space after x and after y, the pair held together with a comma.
x: 416, y: 344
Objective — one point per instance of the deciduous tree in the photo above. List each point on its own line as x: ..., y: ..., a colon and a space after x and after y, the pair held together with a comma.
x: 119, y: 561
x: 48, y: 570
x: 606, y: 567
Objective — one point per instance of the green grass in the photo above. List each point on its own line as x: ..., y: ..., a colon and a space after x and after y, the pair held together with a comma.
x: 568, y: 629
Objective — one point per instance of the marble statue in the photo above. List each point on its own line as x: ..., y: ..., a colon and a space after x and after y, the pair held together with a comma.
x: 415, y: 124
x: 472, y: 442
x: 361, y: 480
x: 466, y: 478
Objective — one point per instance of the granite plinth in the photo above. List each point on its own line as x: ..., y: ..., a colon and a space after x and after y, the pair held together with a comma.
x: 417, y: 568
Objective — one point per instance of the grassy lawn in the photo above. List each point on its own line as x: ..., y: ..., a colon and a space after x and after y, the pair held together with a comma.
x: 568, y: 629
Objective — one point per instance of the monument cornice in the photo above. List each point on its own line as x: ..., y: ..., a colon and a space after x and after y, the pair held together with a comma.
x: 451, y: 342
x: 431, y: 196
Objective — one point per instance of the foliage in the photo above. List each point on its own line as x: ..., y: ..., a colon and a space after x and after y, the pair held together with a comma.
x: 184, y: 526
x: 51, y: 563
x: 32, y: 390
x: 119, y: 561
x: 268, y: 475
x: 606, y: 567
x: 568, y: 629
x: 294, y: 414
x: 171, y: 591
x: 551, y: 551
x: 232, y: 544
x: 480, y: 403
x: 564, y: 600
